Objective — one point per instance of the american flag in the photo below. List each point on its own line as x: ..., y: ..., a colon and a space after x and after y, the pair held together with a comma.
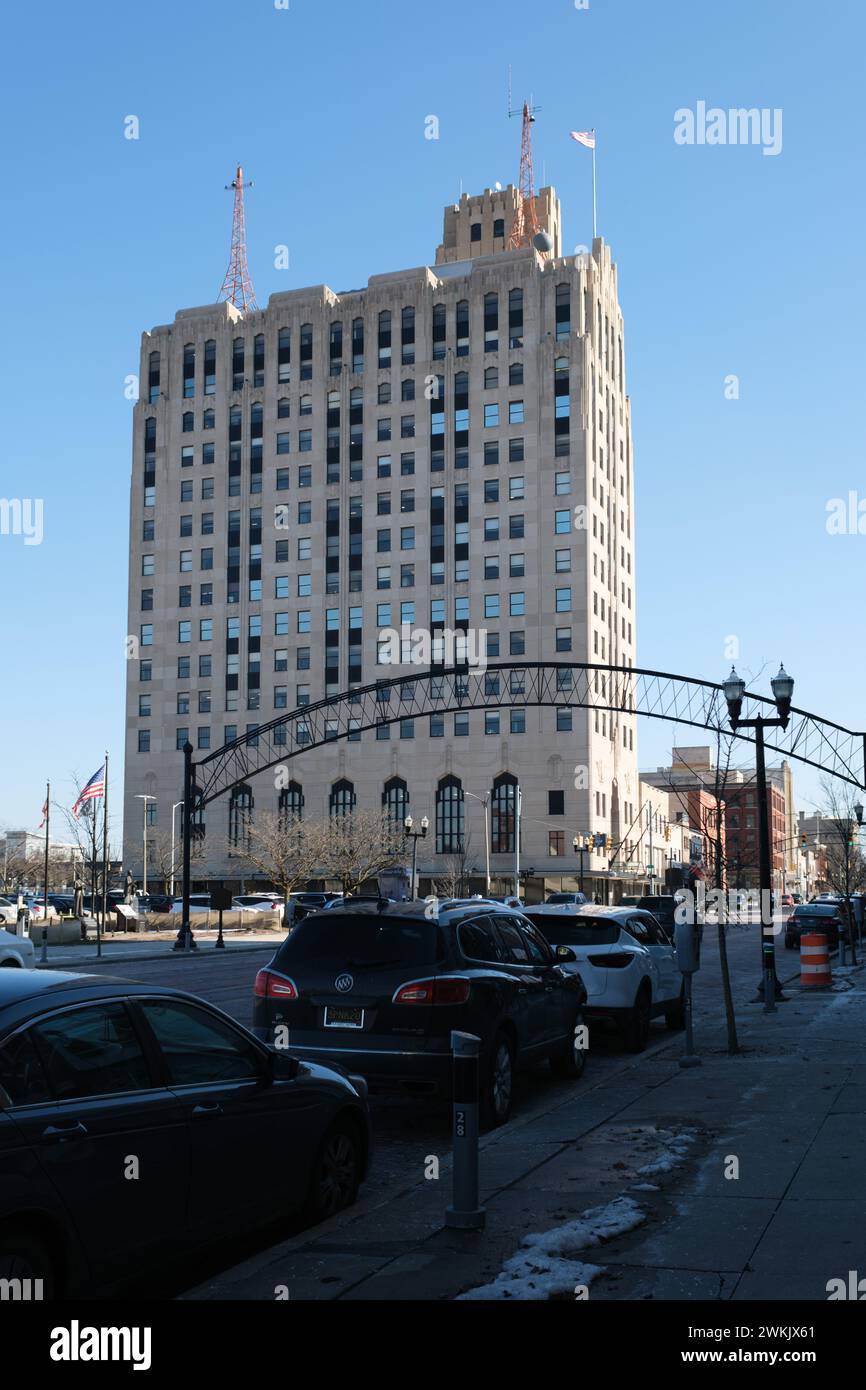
x: 584, y: 137
x: 44, y: 813
x: 90, y: 791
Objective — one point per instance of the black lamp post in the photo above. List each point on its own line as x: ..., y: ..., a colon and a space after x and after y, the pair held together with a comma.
x: 415, y: 836
x: 578, y: 844
x: 783, y: 689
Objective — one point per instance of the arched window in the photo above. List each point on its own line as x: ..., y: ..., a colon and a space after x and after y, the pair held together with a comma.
x: 188, y: 370
x: 284, y: 355
x: 291, y: 802
x: 491, y: 378
x: 563, y: 311
x: 241, y: 806
x: 342, y: 799
x: 503, y: 814
x: 284, y: 408
x: 450, y: 806
x: 188, y: 421
x: 153, y: 377
x: 237, y: 364
x: 395, y: 800
x: 462, y: 324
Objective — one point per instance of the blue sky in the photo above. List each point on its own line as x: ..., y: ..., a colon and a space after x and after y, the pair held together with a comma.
x: 730, y: 262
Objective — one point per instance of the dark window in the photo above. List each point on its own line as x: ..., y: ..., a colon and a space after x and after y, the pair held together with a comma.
x: 556, y: 803
x: 198, y: 1047
x: 514, y: 944
x: 478, y: 942
x: 22, y: 1077
x: 92, y: 1052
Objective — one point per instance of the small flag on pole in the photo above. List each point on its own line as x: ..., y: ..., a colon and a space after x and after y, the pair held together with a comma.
x: 90, y: 791
x: 44, y: 813
x: 584, y: 137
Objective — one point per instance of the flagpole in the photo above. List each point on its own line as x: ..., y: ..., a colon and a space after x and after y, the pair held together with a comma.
x: 100, y: 930
x: 594, y: 215
x: 47, y: 826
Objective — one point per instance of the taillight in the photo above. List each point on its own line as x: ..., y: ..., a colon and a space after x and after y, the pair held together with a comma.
x: 439, y: 990
x: 271, y: 986
x: 617, y: 960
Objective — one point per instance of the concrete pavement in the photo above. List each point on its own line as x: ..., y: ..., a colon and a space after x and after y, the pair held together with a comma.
x: 744, y: 1174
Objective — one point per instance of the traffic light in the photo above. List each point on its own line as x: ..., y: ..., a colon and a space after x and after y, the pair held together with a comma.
x: 802, y: 841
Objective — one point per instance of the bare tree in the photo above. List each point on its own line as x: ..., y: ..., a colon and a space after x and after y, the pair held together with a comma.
x: 458, y: 869
x: 356, y: 847
x: 286, y: 849
x: 846, y: 869
x: 160, y: 857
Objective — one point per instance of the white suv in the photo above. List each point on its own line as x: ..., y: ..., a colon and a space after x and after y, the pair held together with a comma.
x: 626, y: 961
x: 16, y: 951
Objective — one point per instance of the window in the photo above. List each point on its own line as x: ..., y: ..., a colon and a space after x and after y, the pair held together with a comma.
x: 491, y: 415
x: 515, y: 374
x: 516, y: 489
x: 92, y: 1052
x: 556, y: 843
x: 556, y: 803
x: 342, y: 800
x: 515, y: 412
x: 517, y: 604
x: 450, y: 806
x: 143, y: 747
x: 395, y: 801
x: 503, y: 813
x: 563, y: 600
x: 241, y: 807
x: 562, y: 523
x: 199, y: 1047
x: 515, y: 527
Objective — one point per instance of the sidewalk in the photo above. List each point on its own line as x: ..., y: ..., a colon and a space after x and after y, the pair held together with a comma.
x: 641, y: 1159
x: 126, y: 947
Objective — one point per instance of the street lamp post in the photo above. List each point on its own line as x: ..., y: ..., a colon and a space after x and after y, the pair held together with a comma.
x: 143, y: 797
x: 185, y: 940
x: 734, y: 689
x: 173, y: 809
x: 578, y: 844
x: 415, y: 836
x: 485, y: 802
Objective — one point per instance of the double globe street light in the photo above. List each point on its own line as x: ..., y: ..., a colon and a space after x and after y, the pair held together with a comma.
x: 415, y: 836
x: 734, y: 689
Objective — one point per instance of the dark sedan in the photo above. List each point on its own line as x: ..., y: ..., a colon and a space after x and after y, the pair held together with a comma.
x: 381, y: 990
x: 814, y: 917
x: 139, y: 1123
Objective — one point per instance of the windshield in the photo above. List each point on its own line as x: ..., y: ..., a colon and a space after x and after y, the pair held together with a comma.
x: 340, y: 939
x: 574, y: 931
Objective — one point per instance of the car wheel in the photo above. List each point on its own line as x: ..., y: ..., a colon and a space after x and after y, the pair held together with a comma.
x: 675, y: 1017
x: 638, y: 1024
x: 571, y: 1061
x: 24, y: 1256
x: 498, y: 1086
x: 336, y: 1174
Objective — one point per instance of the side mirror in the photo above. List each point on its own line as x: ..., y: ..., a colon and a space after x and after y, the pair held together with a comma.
x: 565, y: 955
x: 281, y: 1065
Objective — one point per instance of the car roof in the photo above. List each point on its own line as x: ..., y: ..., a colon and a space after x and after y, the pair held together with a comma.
x: 17, y: 985
x: 570, y: 910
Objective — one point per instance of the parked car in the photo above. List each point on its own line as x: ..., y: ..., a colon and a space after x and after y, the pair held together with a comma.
x: 626, y: 960
x: 230, y: 1134
x: 63, y: 903
x: 259, y: 902
x: 823, y: 917
x: 16, y: 952
x: 787, y: 900
x: 304, y: 903
x: 662, y: 906
x: 198, y: 903
x: 158, y: 902
x: 576, y: 898
x: 8, y: 911
x: 381, y: 991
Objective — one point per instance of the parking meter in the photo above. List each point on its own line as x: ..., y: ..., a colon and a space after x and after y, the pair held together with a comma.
x: 687, y: 944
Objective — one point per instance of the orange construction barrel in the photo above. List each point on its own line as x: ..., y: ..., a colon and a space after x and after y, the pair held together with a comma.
x: 814, y: 961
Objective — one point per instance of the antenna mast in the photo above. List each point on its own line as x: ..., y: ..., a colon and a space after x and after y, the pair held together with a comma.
x: 525, y: 225
x: 237, y: 287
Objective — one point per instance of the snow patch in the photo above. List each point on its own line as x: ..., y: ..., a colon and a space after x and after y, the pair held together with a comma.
x: 544, y: 1264
x: 674, y: 1152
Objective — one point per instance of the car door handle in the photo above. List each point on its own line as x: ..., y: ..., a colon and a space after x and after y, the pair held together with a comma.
x: 56, y: 1133
x: 521, y: 989
x: 202, y: 1111
x: 548, y: 989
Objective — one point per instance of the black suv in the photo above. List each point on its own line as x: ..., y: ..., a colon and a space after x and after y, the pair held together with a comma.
x: 379, y: 991
x: 662, y: 906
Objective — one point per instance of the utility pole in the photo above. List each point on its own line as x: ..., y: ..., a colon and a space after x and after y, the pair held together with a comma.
x: 518, y: 795
x: 100, y: 928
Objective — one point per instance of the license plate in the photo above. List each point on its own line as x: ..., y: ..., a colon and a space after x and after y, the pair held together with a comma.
x: 342, y: 1016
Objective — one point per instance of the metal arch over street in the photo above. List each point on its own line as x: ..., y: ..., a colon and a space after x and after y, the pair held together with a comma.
x: 831, y: 749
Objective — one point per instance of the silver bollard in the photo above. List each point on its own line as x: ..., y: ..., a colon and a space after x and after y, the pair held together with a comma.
x: 465, y: 1214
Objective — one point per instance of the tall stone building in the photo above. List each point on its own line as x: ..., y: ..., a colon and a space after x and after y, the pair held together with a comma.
x: 449, y: 448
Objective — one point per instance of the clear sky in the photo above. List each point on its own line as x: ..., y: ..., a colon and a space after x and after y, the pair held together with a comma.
x: 731, y: 262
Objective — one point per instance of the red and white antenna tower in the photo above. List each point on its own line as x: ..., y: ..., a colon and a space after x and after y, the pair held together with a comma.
x: 525, y: 225
x: 237, y: 286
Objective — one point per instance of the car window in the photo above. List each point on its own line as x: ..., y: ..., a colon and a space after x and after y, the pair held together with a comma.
x: 514, y: 944
x: 354, y: 939
x: 639, y: 929
x: 575, y: 929
x: 91, y: 1052
x: 539, y: 951
x: 22, y: 1075
x: 659, y: 933
x: 199, y: 1047
x: 479, y: 942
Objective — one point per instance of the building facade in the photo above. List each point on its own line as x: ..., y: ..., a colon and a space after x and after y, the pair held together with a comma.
x: 445, y: 450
